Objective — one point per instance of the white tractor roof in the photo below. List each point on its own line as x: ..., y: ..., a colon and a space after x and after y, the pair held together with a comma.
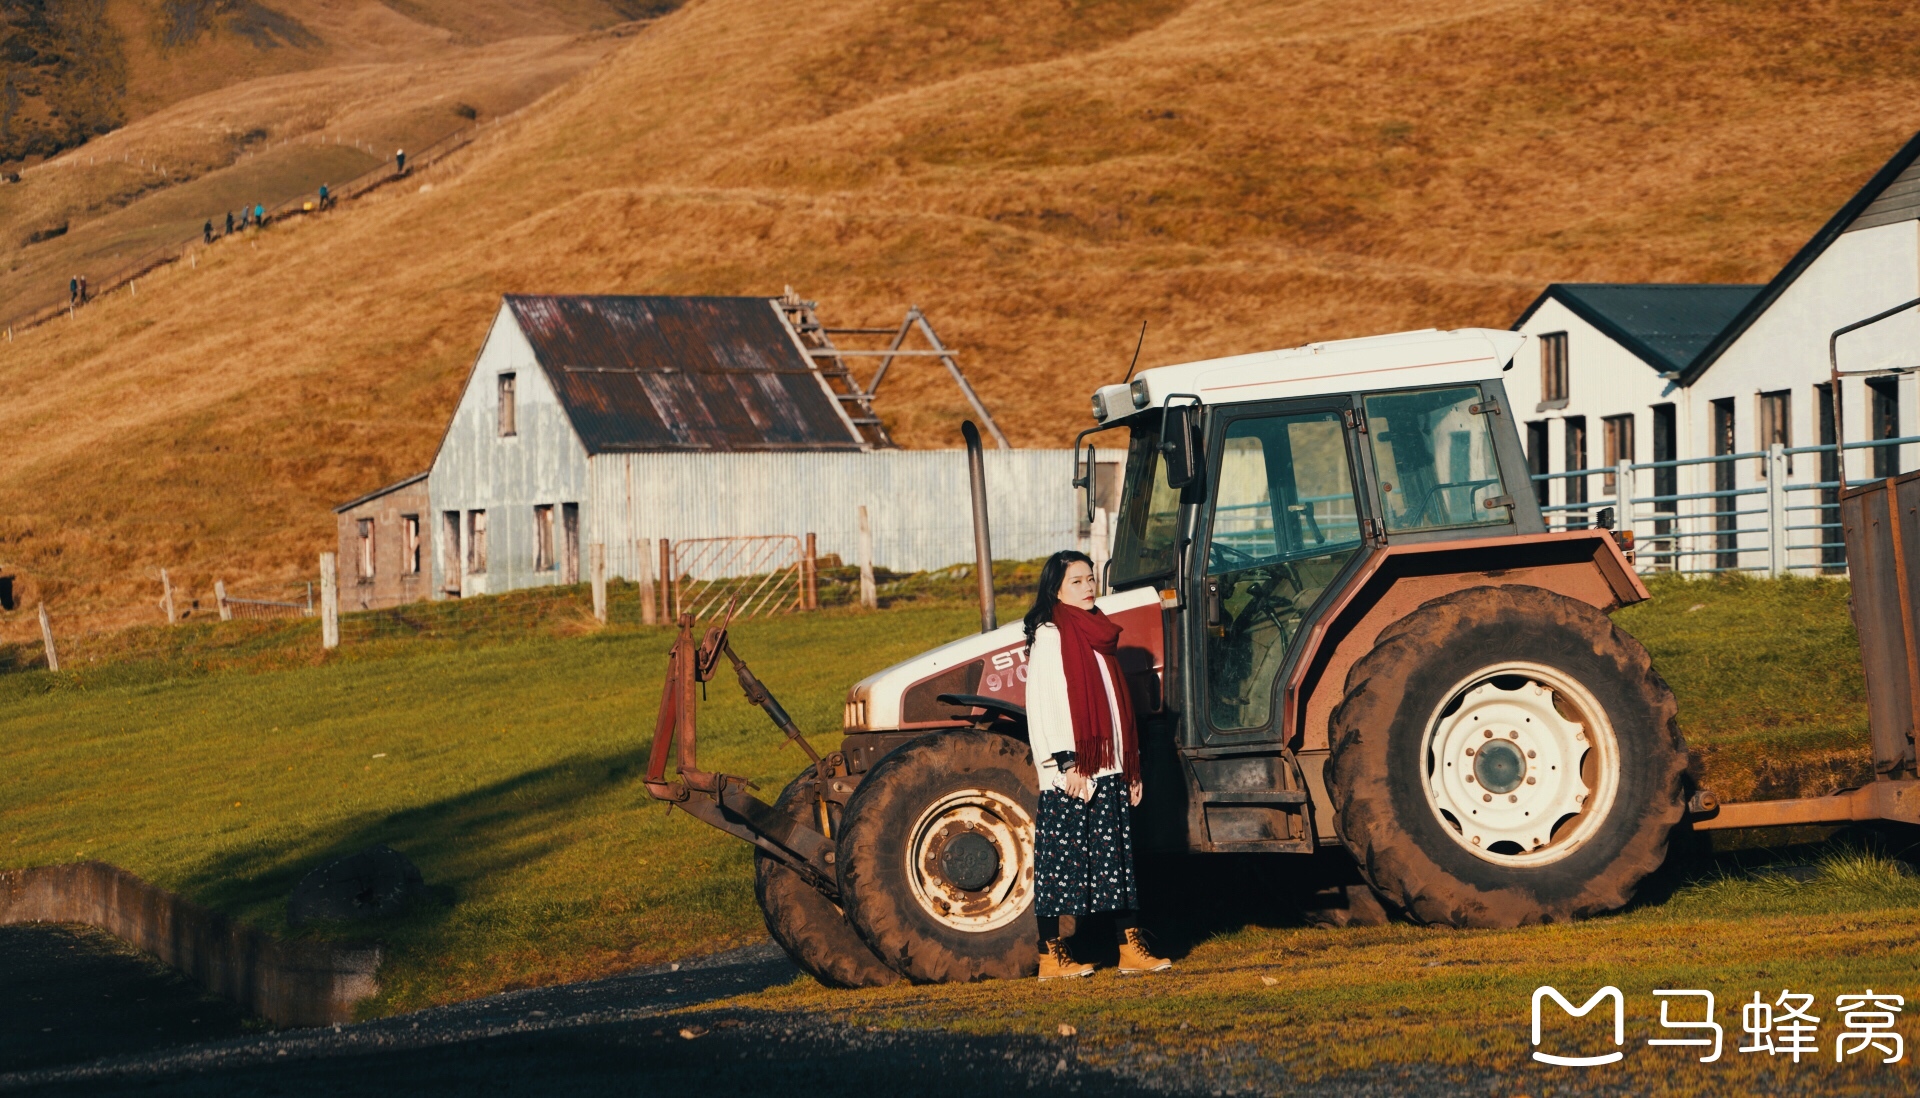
x: 1398, y: 361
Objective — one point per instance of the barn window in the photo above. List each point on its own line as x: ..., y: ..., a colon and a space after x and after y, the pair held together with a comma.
x: 1776, y: 424
x: 509, y: 425
x: 543, y: 538
x: 410, y: 544
x: 364, y: 554
x: 1618, y: 444
x: 1553, y: 371
x: 476, y: 542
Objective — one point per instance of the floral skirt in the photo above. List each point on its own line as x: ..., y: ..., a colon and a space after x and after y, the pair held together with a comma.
x: 1083, y: 853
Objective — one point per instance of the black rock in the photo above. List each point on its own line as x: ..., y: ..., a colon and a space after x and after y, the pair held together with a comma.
x: 377, y: 881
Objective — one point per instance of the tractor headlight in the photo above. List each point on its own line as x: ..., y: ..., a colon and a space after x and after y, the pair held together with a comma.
x: 1099, y: 408
x: 1139, y: 391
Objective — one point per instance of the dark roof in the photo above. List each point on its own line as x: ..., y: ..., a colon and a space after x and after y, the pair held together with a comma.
x: 1856, y: 210
x: 641, y: 374
x: 1666, y: 324
x: 377, y: 493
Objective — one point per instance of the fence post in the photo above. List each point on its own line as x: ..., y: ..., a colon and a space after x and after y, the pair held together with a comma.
x: 645, y: 578
x: 810, y: 576
x: 667, y: 581
x: 46, y: 635
x: 1623, y: 497
x: 1776, y: 510
x: 329, y: 602
x: 869, y: 594
x: 597, y: 560
x: 220, y: 600
x: 166, y: 596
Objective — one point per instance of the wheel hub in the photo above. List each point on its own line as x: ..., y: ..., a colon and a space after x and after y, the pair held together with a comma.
x: 1513, y: 771
x: 970, y: 860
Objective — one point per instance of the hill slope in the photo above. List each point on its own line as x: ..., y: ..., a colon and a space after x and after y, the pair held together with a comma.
x: 1039, y: 177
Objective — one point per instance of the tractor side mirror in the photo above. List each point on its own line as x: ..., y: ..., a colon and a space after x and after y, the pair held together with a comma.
x: 1177, y: 445
x: 1086, y: 480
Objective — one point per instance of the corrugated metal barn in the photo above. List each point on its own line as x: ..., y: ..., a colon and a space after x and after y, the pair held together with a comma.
x: 622, y: 420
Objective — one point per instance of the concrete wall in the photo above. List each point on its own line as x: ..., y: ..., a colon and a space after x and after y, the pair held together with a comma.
x: 288, y: 983
x: 543, y: 463
x: 394, y: 580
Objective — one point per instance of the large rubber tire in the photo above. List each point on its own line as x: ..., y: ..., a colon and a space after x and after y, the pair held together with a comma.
x: 811, y: 928
x: 1387, y: 808
x: 908, y: 812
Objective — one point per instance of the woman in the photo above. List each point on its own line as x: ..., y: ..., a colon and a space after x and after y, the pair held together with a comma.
x: 1080, y: 723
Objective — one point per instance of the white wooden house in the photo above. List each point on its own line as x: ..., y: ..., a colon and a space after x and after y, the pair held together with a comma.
x: 1654, y: 373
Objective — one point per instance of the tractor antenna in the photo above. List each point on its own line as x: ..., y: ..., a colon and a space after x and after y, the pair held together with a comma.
x: 1136, y: 353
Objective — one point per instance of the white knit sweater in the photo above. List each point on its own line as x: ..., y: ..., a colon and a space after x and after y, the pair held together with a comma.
x: 1050, y: 717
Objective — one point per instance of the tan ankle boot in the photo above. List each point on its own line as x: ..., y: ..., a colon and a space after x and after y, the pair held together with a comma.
x: 1056, y: 963
x: 1135, y: 959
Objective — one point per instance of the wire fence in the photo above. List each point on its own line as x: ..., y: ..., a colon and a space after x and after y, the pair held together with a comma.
x: 766, y: 574
x: 124, y: 272
x: 1700, y: 516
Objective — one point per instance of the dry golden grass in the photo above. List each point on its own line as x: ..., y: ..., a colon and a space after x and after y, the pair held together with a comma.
x: 1040, y: 177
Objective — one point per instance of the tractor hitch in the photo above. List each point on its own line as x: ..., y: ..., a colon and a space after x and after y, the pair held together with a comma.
x: 724, y: 800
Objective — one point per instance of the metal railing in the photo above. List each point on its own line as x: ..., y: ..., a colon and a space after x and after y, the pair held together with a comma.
x: 1772, y: 523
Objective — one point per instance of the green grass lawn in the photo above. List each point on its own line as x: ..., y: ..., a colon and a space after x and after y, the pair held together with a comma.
x: 497, y: 742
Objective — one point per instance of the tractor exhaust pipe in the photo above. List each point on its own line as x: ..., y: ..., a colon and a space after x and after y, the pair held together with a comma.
x: 982, y: 541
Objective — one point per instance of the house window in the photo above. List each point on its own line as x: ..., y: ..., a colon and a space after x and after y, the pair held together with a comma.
x: 1776, y: 425
x: 1883, y: 415
x: 476, y: 542
x: 1576, y: 456
x: 543, y: 538
x: 410, y: 544
x: 509, y: 425
x: 1537, y: 458
x: 1553, y: 370
x: 364, y: 554
x: 1617, y: 444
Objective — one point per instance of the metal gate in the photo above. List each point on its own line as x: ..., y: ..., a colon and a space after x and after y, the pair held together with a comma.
x: 766, y: 573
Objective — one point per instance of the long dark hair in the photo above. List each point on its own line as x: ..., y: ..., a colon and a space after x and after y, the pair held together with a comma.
x: 1052, y: 575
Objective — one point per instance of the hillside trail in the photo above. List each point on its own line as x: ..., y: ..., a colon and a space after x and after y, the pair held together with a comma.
x: 1039, y: 178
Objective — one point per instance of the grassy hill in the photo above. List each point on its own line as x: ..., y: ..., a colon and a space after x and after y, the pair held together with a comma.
x: 1040, y: 177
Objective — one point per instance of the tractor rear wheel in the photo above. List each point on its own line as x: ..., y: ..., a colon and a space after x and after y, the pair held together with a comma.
x: 936, y: 858
x: 811, y: 928
x: 1506, y: 756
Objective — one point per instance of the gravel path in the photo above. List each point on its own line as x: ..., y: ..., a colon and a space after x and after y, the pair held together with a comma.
x: 83, y: 1014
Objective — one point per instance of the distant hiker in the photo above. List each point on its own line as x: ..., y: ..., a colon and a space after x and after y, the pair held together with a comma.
x: 229, y: 223
x: 259, y: 215
x: 83, y: 289
x: 73, y: 291
x: 400, y: 162
x: 206, y: 231
x: 326, y: 198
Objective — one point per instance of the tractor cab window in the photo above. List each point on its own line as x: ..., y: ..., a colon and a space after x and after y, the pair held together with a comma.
x: 1433, y: 452
x: 1285, y: 523
x: 1147, y: 540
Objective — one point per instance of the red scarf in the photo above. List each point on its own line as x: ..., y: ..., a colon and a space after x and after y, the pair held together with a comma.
x: 1086, y: 636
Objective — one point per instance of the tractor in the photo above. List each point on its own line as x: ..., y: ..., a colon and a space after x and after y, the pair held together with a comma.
x: 1346, y: 627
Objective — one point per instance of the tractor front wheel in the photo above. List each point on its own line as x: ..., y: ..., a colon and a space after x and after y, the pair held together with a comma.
x: 936, y: 858
x: 811, y: 928
x: 1506, y: 756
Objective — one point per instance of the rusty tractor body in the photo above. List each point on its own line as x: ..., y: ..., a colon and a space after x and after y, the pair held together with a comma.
x: 1346, y: 627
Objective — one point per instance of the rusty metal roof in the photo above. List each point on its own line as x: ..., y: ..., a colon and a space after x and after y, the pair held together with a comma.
x: 642, y: 374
